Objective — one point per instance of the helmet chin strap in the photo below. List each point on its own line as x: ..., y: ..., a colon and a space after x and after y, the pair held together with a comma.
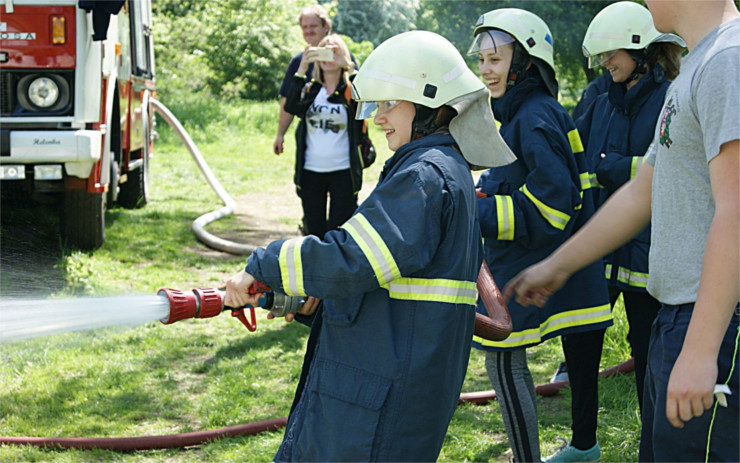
x: 519, y: 62
x: 423, y: 123
x: 640, y: 57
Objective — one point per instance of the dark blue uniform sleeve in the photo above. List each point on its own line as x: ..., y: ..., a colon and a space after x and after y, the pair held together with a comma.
x: 404, y: 215
x: 614, y: 170
x: 538, y: 211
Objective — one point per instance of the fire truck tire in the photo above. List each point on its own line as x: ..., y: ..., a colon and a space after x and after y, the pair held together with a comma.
x: 133, y: 193
x: 112, y: 195
x: 83, y: 219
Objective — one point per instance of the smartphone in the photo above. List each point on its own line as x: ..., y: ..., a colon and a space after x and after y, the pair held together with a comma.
x: 323, y: 53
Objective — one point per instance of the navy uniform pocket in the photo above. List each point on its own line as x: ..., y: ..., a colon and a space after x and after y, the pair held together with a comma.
x: 343, y: 408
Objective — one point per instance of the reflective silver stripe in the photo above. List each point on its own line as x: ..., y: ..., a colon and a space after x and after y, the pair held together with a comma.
x: 585, y: 180
x: 556, y: 218
x: 375, y: 250
x: 571, y: 318
x: 390, y: 78
x: 505, y: 215
x: 631, y: 278
x: 453, y: 73
x: 433, y: 289
x: 291, y: 267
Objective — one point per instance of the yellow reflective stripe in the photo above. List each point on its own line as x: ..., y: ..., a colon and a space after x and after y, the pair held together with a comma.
x: 636, y: 161
x: 291, y: 267
x: 569, y: 319
x: 556, y: 218
x: 505, y: 216
x: 575, y: 141
x: 374, y: 248
x: 586, y: 178
x: 629, y: 277
x: 594, y: 181
x: 434, y: 290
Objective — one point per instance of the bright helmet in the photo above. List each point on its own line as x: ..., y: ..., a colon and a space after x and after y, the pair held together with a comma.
x: 623, y: 25
x: 426, y: 69
x: 530, y: 31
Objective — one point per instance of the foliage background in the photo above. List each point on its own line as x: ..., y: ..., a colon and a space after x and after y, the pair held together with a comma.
x: 237, y: 49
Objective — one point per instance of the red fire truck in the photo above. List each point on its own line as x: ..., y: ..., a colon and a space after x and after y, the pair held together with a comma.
x: 76, y: 124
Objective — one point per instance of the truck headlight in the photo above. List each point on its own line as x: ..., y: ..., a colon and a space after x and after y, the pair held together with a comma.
x: 43, y: 92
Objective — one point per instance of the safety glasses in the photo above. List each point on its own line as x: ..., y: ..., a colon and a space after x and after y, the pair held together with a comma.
x: 600, y: 59
x: 368, y: 109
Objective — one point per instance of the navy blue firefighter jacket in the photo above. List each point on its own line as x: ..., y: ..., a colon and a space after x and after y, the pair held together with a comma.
x: 532, y: 206
x: 620, y: 125
x: 398, y: 284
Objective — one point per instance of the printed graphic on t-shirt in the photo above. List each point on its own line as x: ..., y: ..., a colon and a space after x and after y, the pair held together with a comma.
x: 668, y: 111
x: 325, y: 118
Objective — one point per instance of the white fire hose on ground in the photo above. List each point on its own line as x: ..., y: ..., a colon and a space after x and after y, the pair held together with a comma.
x: 199, y: 224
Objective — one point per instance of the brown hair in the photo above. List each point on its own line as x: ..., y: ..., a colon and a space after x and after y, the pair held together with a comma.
x: 334, y: 39
x: 668, y: 55
x: 445, y: 114
x: 315, y: 10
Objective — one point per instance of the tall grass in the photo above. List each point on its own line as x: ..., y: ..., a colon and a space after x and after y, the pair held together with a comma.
x: 201, y: 374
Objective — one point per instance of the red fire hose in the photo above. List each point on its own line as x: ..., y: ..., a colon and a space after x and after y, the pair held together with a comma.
x: 200, y: 437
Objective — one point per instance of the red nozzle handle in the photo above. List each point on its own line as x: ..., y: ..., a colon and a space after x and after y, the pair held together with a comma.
x: 239, y: 313
x: 258, y: 287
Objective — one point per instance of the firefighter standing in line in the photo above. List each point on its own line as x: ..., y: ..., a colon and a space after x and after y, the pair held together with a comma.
x: 531, y: 207
x: 398, y: 280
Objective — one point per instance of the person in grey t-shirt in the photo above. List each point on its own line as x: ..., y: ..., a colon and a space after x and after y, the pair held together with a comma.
x: 689, y: 187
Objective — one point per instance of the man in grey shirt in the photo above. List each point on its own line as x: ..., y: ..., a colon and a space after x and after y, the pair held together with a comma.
x: 689, y: 186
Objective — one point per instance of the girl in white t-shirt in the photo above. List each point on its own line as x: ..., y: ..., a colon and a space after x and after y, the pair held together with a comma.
x: 328, y: 163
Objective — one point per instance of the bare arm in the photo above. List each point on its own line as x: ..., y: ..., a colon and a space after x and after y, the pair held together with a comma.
x: 623, y: 216
x: 284, y: 121
x: 694, y: 374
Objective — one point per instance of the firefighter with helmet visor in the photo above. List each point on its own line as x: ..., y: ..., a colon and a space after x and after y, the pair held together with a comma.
x: 617, y: 128
x: 526, y: 210
x: 397, y: 281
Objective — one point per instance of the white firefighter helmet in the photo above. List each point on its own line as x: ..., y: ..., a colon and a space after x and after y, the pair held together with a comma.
x: 623, y: 25
x: 529, y: 30
x: 426, y: 69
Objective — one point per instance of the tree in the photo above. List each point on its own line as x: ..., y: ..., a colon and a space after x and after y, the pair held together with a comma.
x: 567, y: 20
x: 375, y: 20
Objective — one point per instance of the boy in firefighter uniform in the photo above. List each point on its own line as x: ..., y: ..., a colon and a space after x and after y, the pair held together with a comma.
x: 616, y: 131
x: 527, y: 210
x: 398, y: 280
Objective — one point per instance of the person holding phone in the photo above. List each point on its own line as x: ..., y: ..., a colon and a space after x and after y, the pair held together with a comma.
x: 328, y: 162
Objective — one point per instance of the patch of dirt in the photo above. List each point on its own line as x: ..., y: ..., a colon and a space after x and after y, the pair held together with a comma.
x: 264, y: 216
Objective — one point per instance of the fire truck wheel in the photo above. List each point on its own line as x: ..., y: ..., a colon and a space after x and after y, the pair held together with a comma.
x: 112, y: 195
x: 83, y: 219
x: 133, y: 193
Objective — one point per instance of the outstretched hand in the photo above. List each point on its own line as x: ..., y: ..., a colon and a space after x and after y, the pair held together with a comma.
x: 535, y: 284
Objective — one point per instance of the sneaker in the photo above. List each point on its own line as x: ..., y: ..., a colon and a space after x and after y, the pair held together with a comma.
x: 561, y: 374
x: 567, y: 453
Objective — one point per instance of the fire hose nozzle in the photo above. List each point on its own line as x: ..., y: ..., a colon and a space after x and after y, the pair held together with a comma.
x: 208, y: 302
x: 198, y: 303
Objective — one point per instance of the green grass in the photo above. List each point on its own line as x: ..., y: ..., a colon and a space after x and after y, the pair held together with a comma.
x: 157, y: 379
